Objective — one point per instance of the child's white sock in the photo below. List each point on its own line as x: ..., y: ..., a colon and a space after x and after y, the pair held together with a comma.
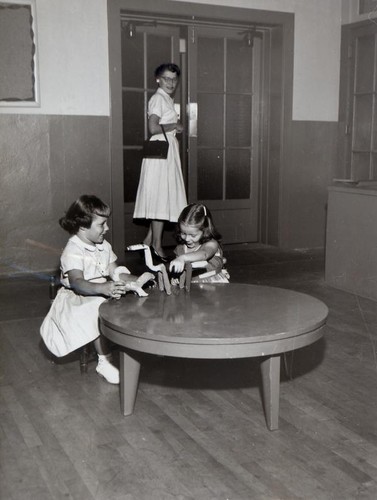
x: 106, y: 370
x: 104, y: 357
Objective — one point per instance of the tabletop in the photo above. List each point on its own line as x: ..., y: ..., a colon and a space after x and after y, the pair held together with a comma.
x: 213, y: 321
x: 213, y: 314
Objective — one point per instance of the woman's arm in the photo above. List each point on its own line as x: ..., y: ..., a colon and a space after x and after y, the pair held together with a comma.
x: 206, y: 252
x: 155, y: 127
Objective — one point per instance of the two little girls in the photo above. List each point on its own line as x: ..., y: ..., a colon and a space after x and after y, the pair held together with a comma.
x: 89, y: 275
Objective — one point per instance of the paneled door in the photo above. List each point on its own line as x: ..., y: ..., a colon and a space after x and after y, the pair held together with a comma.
x: 218, y: 99
x: 223, y: 116
x: 144, y: 47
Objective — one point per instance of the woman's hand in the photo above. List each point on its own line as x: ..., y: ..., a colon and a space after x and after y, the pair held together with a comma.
x: 179, y: 127
x: 177, y: 265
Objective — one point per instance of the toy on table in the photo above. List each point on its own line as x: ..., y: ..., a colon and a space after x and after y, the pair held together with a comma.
x: 164, y: 283
x: 186, y: 276
x: 162, y: 274
x: 134, y: 286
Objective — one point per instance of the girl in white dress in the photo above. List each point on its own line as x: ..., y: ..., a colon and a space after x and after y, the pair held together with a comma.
x: 161, y: 192
x: 89, y: 275
x: 199, y: 241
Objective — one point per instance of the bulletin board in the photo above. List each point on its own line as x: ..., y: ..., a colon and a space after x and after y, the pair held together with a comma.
x: 18, y: 54
x: 367, y: 6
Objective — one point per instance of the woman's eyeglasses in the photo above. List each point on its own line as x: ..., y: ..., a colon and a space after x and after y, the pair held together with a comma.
x: 169, y: 80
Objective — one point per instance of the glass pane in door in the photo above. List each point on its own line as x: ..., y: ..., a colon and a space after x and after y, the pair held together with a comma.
x: 374, y: 130
x: 131, y: 161
x: 239, y: 76
x: 238, y: 174
x: 133, y: 113
x: 374, y: 166
x: 362, y: 122
x: 132, y: 57
x: 210, y: 174
x: 211, y: 119
x: 210, y: 64
x: 159, y: 50
x: 238, y: 121
x: 360, y: 166
x: 365, y: 63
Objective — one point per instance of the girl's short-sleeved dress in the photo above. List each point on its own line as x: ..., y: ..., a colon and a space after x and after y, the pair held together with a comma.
x: 72, y: 320
x: 161, y: 192
x: 214, y: 272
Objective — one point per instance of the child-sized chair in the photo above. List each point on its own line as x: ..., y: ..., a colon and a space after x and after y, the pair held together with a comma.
x: 86, y: 352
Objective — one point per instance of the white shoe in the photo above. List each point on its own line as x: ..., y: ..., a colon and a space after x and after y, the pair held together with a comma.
x: 108, y: 371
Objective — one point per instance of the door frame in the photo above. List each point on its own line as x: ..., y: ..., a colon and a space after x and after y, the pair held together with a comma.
x: 276, y: 130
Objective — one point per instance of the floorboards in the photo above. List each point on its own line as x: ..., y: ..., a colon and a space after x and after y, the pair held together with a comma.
x: 198, y: 430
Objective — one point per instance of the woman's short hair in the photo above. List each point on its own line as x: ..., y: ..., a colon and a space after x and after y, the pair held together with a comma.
x: 173, y: 68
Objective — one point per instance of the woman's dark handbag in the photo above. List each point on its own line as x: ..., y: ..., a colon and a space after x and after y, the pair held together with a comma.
x: 156, y: 149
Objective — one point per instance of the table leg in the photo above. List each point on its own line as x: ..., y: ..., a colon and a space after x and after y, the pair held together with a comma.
x: 129, y: 380
x: 270, y: 368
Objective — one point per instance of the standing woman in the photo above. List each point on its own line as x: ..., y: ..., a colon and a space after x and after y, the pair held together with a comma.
x: 161, y: 193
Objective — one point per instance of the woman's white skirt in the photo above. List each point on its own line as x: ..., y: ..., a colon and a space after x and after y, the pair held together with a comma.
x: 161, y: 192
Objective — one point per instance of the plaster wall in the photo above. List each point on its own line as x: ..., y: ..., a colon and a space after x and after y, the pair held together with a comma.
x: 52, y: 153
x: 47, y: 161
x: 73, y: 56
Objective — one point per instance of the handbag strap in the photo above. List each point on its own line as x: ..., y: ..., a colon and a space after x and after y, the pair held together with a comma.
x: 163, y: 130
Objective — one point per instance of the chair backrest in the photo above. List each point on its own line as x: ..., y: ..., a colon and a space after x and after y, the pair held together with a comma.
x: 54, y: 287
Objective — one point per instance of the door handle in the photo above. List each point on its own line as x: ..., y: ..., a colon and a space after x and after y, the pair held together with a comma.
x: 192, y: 113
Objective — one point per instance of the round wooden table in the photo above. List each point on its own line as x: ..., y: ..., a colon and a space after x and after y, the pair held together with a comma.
x: 213, y: 321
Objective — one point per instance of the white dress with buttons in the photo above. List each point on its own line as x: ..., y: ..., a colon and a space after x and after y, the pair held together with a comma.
x: 73, y: 319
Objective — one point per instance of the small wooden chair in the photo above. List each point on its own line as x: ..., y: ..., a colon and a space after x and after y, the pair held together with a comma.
x: 86, y: 351
x: 86, y: 355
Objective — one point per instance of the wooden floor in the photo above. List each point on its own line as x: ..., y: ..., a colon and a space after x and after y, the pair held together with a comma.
x: 198, y: 430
